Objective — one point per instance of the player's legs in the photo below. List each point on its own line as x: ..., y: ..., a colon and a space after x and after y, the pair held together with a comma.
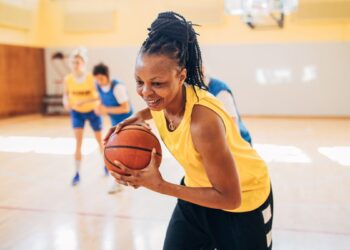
x: 96, y: 124
x: 98, y: 137
x: 78, y: 122
x: 114, y: 187
x: 78, y: 133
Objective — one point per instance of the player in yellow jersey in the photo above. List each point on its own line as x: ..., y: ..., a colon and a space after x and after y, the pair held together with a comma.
x: 225, y: 199
x: 81, y: 98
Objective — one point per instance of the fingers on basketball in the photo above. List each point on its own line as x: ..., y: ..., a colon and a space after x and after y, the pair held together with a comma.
x: 133, y: 148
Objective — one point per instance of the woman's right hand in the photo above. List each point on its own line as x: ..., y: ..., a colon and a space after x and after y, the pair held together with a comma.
x: 132, y: 120
x: 67, y: 107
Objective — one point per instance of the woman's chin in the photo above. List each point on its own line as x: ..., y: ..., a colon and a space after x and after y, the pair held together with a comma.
x: 155, y: 108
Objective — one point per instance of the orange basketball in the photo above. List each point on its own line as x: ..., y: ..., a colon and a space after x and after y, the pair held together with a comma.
x: 132, y: 146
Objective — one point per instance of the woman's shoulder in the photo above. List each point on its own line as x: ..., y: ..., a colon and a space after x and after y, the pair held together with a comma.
x: 205, y: 106
x: 196, y: 94
x: 206, y: 124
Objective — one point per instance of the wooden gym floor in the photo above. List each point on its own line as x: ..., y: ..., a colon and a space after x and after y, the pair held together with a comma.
x: 309, y: 162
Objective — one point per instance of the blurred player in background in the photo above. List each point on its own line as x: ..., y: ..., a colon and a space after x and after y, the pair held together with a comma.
x: 224, y: 93
x: 114, y: 101
x: 80, y: 97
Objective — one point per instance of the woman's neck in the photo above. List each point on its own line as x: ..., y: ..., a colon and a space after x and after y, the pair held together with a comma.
x: 79, y: 77
x: 78, y: 73
x: 177, y: 107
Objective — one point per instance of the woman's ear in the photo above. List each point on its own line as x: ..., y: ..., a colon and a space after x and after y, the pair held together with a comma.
x: 183, y: 75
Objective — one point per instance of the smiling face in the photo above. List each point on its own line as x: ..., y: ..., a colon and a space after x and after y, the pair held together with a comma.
x: 159, y: 81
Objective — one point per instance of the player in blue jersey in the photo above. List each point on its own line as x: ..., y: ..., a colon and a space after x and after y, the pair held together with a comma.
x: 223, y: 92
x: 114, y: 101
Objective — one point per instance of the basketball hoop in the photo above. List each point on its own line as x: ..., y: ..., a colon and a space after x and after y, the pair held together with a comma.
x: 261, y: 13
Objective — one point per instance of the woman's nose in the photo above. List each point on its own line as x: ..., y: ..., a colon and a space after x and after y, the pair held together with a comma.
x: 147, y: 90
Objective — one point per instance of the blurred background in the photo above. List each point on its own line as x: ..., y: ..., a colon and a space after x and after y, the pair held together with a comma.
x: 287, y: 63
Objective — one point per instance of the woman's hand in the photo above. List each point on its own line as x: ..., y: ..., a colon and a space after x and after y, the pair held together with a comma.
x: 67, y: 107
x: 83, y: 102
x: 97, y: 110
x: 101, y: 110
x: 148, y: 177
x: 79, y: 103
x: 65, y: 102
x: 134, y: 119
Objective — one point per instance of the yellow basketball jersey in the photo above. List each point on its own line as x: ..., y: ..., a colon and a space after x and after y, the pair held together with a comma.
x: 83, y: 91
x: 252, y: 170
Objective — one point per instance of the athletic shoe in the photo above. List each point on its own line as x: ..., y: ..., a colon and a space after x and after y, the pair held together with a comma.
x: 115, y: 188
x: 76, y: 179
x: 106, y: 171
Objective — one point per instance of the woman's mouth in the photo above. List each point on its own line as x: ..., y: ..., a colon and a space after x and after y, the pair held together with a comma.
x: 153, y: 102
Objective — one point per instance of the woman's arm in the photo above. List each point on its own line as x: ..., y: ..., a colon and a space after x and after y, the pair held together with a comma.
x: 96, y: 97
x: 121, y: 95
x: 122, y: 109
x: 208, y: 135
x: 65, y: 98
x: 80, y: 103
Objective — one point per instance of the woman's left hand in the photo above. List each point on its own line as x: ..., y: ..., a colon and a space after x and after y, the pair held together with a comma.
x: 149, y: 177
x: 101, y: 110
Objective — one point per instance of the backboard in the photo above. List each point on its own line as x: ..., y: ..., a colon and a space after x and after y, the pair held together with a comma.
x: 261, y: 14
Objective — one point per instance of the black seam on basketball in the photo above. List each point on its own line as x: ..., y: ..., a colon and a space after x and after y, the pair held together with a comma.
x: 109, y: 161
x: 116, y: 166
x: 133, y: 147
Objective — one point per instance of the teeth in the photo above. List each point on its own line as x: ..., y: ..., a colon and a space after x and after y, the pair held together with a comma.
x: 152, y: 102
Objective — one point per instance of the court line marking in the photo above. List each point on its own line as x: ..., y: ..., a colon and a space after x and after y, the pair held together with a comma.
x: 127, y: 217
x: 91, y: 214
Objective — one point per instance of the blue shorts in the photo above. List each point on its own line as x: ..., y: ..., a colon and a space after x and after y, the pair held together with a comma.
x: 79, y: 118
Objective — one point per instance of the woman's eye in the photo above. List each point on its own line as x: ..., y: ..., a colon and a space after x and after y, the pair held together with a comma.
x: 139, y: 83
x: 157, y: 84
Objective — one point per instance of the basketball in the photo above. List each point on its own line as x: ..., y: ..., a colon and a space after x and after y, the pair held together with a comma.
x: 132, y: 146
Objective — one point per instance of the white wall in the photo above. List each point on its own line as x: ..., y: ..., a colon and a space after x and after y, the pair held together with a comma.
x: 288, y: 79
x: 267, y: 79
x: 120, y: 61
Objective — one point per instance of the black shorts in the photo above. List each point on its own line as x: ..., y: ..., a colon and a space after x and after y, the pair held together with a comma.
x: 195, y: 227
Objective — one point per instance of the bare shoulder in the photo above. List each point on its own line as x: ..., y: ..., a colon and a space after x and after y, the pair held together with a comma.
x: 206, y: 125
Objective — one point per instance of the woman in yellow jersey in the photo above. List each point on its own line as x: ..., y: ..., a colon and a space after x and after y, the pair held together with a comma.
x: 225, y: 198
x: 81, y: 98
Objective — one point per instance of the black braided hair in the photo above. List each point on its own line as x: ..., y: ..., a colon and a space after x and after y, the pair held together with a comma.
x: 171, y: 35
